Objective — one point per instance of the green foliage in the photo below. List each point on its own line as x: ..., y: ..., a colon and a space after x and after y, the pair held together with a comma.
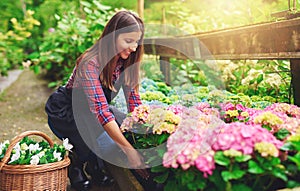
x: 72, y: 36
x: 263, y: 80
x: 127, y: 4
x: 12, y: 42
x: 46, y: 11
x: 13, y: 49
x: 186, y: 71
x: 150, y: 69
x: 13, y: 9
x: 192, y: 16
x: 258, y: 78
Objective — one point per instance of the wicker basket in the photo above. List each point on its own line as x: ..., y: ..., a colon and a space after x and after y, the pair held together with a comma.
x: 51, y: 176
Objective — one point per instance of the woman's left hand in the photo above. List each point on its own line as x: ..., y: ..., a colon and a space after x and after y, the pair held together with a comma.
x: 136, y: 161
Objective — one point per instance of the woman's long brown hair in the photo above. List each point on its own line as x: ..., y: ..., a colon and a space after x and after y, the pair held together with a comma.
x: 106, y: 52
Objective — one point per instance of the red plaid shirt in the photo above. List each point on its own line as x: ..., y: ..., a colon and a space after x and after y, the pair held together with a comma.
x: 95, y: 94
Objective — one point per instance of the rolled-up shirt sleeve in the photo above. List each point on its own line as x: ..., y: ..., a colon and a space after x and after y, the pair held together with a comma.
x: 94, y: 92
x: 132, y: 98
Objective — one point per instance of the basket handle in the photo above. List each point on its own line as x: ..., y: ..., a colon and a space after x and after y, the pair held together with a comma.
x: 18, y: 138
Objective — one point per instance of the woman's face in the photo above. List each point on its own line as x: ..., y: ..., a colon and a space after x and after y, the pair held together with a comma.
x: 127, y: 43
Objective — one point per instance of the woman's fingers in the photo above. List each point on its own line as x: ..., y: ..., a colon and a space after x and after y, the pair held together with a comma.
x: 136, y: 161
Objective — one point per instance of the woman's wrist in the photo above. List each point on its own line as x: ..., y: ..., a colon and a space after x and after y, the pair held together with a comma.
x: 115, y: 133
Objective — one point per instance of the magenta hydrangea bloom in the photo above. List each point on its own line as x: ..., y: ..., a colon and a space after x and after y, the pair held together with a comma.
x: 242, y: 137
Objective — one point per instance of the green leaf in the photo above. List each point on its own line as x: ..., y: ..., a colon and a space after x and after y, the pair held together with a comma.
x: 163, y: 138
x: 57, y: 17
x: 279, y: 173
x: 292, y: 184
x: 239, y: 187
x: 251, y: 81
x: 295, y: 159
x: 282, y: 134
x: 97, y: 26
x: 217, y: 179
x: 296, y: 144
x: 226, y: 175
x: 161, y: 151
x: 159, y: 169
x: 36, y: 69
x: 220, y: 159
x: 33, y: 55
x: 198, y: 184
x: 87, y: 10
x: 243, y: 158
x: 81, y: 48
x: 288, y: 146
x: 162, y: 178
x: 48, y: 66
x: 260, y: 78
x: 275, y: 161
x: 52, y: 84
x: 101, y: 6
x: 236, y: 173
x: 254, y: 168
x: 282, y: 68
x: 22, y: 159
x: 154, y: 159
x: 187, y: 177
x: 85, y: 4
x: 172, y: 186
x: 43, y: 160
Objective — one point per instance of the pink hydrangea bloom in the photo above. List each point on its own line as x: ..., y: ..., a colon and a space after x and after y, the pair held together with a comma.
x: 206, y: 163
x: 242, y: 137
x: 191, y: 144
x: 289, y: 109
x: 140, y: 114
x: 201, y: 105
x: 177, y: 109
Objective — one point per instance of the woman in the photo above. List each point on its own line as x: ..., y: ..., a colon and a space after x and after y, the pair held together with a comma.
x: 80, y: 110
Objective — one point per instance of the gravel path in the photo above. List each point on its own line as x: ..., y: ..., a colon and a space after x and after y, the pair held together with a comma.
x: 22, y: 105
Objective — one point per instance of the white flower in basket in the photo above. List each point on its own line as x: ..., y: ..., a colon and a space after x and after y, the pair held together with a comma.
x: 26, y: 164
x: 29, y: 151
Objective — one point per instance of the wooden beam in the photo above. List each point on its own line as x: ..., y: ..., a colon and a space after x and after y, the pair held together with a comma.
x: 140, y: 8
x: 165, y: 68
x: 274, y: 40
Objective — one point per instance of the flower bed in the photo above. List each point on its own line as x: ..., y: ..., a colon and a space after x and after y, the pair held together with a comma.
x: 218, y: 141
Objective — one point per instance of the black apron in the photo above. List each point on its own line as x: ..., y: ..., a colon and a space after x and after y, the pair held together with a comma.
x: 65, y: 123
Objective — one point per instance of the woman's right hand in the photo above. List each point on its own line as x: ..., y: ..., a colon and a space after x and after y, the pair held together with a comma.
x: 136, y: 162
